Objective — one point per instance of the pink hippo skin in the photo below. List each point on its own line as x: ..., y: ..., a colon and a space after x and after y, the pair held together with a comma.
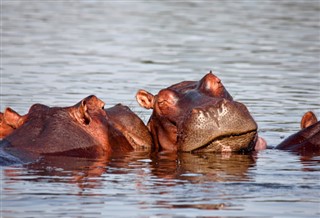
x: 305, y: 142
x: 83, y: 130
x: 199, y: 116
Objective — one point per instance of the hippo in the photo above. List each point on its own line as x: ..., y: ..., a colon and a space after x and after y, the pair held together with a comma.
x: 305, y: 142
x: 83, y: 130
x: 131, y: 126
x: 199, y: 116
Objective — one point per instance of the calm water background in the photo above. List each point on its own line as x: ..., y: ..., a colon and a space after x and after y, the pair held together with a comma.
x: 267, y: 54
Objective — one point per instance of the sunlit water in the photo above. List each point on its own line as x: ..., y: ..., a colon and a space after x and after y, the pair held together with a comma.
x: 266, y: 53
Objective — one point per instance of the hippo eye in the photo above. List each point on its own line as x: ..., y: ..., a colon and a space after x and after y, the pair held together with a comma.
x: 161, y: 102
x: 163, y: 105
x: 167, y: 96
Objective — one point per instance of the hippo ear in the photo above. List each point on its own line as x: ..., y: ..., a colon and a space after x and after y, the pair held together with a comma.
x: 145, y: 99
x: 11, y: 118
x: 308, y: 119
x: 83, y: 115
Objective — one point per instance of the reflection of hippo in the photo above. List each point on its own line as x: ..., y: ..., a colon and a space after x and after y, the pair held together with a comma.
x: 84, y: 172
x: 305, y: 142
x: 202, y: 167
x: 198, y: 116
x: 84, y: 130
x: 61, y: 169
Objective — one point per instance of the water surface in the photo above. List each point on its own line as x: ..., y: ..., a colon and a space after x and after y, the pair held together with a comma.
x: 267, y: 54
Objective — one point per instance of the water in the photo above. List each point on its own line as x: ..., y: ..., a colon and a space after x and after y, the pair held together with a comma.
x: 266, y: 53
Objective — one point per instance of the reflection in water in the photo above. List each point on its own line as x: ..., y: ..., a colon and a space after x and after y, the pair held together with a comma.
x: 161, y: 180
x: 85, y: 172
x: 310, y: 163
x: 187, y: 169
x: 198, y: 168
x: 265, y: 52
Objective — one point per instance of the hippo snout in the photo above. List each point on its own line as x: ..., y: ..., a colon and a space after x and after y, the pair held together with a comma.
x: 222, y: 126
x: 198, y: 116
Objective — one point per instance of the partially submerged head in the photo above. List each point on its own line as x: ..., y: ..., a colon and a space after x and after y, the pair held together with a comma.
x: 78, y: 130
x: 131, y: 126
x: 305, y: 142
x: 198, y: 116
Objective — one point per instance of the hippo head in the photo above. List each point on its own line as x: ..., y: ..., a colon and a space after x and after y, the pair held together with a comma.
x: 198, y: 116
x: 305, y: 142
x: 131, y: 126
x: 49, y: 130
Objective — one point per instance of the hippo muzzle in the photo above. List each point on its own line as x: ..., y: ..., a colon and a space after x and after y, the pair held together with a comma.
x: 199, y: 116
x: 221, y: 127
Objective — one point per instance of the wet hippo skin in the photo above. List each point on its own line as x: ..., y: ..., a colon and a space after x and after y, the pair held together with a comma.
x: 305, y: 142
x: 130, y: 125
x: 84, y: 130
x: 199, y: 116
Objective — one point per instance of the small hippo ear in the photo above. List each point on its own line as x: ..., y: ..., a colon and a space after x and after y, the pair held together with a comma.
x: 145, y: 99
x: 11, y: 118
x: 83, y: 115
x: 308, y: 119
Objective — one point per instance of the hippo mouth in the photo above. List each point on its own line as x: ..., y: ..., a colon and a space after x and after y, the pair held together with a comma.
x: 226, y: 127
x: 229, y: 143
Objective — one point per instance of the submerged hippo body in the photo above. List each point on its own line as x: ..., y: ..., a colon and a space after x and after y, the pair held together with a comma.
x: 199, y: 116
x: 305, y: 142
x: 83, y: 130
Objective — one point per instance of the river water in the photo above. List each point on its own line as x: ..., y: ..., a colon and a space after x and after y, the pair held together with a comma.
x: 267, y: 54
